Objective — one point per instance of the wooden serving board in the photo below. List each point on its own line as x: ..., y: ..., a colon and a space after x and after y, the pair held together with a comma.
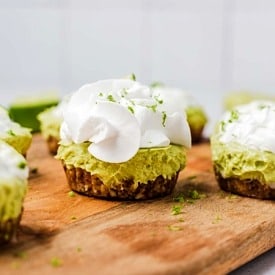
x: 60, y: 234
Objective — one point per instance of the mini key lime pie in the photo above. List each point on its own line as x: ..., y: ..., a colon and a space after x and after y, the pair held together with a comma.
x: 13, y: 133
x: 119, y: 141
x: 243, y: 150
x: 236, y: 98
x: 50, y: 122
x: 13, y: 187
x: 196, y: 115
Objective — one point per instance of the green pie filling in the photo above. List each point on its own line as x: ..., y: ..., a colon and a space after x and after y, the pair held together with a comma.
x: 19, y: 138
x: 145, y: 166
x: 11, y: 198
x: 237, y: 160
x: 196, y: 117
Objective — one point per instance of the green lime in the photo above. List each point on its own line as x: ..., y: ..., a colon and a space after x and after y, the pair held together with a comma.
x: 25, y: 110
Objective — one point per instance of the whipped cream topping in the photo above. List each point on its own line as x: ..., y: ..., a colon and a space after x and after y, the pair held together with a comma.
x: 57, y: 111
x: 4, y: 118
x: 184, y: 98
x: 12, y: 164
x: 119, y: 116
x: 251, y: 125
x: 7, y: 126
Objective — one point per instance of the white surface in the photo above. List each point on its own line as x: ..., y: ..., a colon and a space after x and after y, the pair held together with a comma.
x: 253, y: 47
x: 262, y: 265
x: 208, y: 47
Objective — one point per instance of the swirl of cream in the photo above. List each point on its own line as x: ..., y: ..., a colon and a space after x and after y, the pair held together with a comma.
x: 119, y: 116
x: 12, y: 164
x: 7, y: 125
x: 170, y: 95
x: 251, y: 125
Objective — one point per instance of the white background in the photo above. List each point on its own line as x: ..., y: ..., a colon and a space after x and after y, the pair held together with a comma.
x: 208, y: 47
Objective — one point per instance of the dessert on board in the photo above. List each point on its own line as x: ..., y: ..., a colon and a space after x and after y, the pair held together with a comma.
x: 120, y: 140
x: 13, y: 187
x: 243, y: 150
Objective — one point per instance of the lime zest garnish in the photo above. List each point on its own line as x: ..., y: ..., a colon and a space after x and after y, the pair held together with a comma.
x: 22, y: 165
x: 174, y: 227
x: 176, y: 209
x: 71, y: 194
x: 56, y: 262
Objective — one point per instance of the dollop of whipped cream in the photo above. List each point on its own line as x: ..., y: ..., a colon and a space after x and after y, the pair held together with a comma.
x: 12, y: 164
x: 57, y: 111
x: 7, y: 126
x: 119, y: 116
x: 250, y: 124
x: 184, y: 98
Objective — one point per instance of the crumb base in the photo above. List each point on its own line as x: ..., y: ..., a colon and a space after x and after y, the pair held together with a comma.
x: 196, y: 134
x: 52, y: 143
x: 8, y: 229
x: 246, y: 187
x: 84, y: 183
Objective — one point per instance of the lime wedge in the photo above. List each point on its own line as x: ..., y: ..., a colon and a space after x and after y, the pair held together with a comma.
x: 25, y: 110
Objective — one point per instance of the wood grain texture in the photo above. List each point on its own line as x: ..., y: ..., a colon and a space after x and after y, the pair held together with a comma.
x: 60, y: 234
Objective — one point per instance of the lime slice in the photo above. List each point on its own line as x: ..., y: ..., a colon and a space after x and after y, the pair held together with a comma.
x: 25, y: 110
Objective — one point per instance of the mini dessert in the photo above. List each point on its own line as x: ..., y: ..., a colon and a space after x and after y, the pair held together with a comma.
x: 196, y: 115
x: 13, y: 187
x: 25, y: 110
x: 243, y: 150
x: 234, y: 99
x: 119, y: 141
x: 13, y: 133
x: 50, y: 121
